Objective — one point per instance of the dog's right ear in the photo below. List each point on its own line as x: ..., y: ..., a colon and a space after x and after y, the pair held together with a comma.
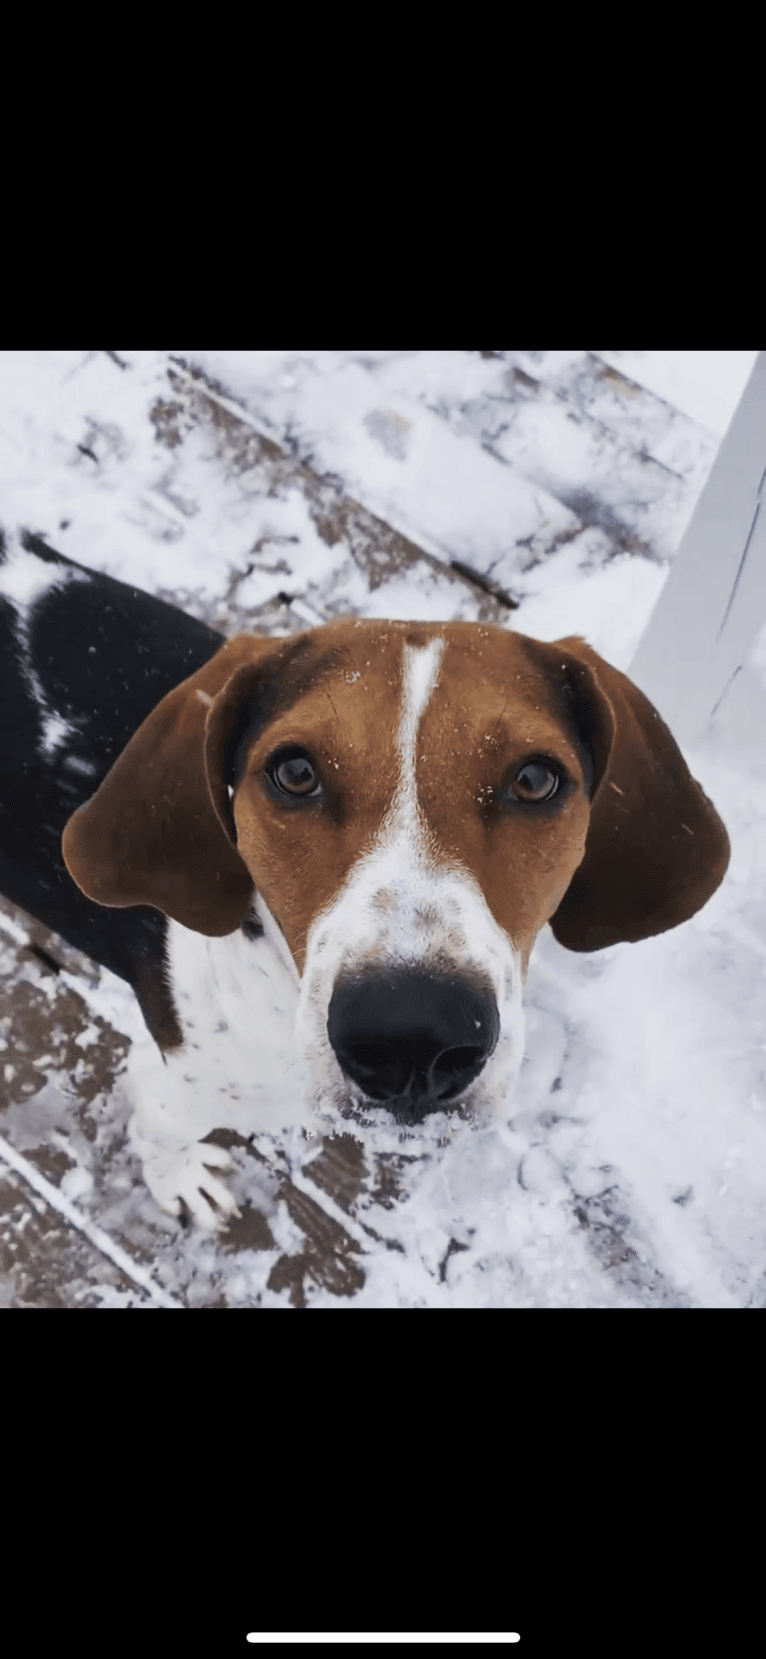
x: 656, y: 849
x: 151, y: 833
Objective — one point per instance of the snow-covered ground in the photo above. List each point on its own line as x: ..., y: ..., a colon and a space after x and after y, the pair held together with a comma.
x: 631, y: 1169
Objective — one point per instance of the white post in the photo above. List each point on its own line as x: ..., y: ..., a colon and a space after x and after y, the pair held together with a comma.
x: 690, y: 659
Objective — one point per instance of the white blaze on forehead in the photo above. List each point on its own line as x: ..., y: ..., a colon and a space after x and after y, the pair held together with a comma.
x: 420, y: 671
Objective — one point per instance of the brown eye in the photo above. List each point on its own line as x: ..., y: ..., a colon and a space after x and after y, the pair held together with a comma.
x: 535, y: 782
x: 294, y: 774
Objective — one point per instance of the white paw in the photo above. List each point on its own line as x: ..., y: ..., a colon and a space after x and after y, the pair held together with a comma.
x: 185, y: 1173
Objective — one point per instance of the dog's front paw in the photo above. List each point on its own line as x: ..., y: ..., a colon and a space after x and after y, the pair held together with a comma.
x: 185, y: 1174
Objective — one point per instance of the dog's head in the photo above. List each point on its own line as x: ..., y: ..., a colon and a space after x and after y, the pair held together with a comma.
x: 412, y: 802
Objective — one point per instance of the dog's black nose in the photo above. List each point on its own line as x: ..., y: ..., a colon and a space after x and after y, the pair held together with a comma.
x: 412, y: 1040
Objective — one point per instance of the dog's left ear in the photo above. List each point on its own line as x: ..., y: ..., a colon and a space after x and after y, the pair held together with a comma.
x: 158, y: 829
x: 656, y: 849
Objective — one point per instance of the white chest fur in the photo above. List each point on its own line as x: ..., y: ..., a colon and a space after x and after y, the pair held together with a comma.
x: 238, y: 1068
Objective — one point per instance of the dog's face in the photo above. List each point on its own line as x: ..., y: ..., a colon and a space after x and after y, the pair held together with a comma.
x: 410, y: 838
x: 396, y: 750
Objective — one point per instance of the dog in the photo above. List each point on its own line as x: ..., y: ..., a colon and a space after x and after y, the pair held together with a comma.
x: 322, y: 861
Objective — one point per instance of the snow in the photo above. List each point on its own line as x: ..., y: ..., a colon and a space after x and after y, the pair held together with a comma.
x: 631, y: 1168
x: 704, y: 384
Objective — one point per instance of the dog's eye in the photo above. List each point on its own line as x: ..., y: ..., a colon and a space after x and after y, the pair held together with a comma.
x: 535, y: 781
x: 294, y: 774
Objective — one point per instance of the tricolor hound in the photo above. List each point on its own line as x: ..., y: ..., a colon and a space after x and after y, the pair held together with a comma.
x: 322, y: 861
